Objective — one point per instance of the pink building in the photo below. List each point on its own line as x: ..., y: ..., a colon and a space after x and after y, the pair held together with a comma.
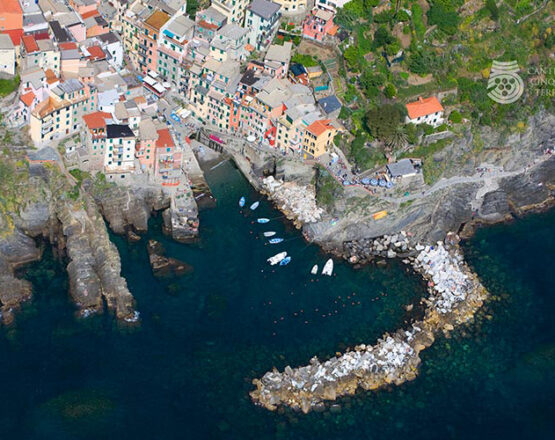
x: 146, y: 147
x: 318, y: 24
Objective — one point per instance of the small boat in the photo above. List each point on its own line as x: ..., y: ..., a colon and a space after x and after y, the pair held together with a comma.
x: 254, y: 205
x: 314, y: 270
x: 263, y: 220
x: 269, y: 234
x: 275, y: 240
x: 285, y: 261
x: 277, y: 258
x: 328, y: 268
x: 242, y: 202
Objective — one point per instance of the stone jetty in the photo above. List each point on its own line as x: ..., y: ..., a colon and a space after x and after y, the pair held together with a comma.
x: 455, y: 294
x: 297, y: 202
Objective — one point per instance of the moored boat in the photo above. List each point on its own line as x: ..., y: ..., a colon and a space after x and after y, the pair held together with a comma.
x: 254, y: 205
x: 285, y: 261
x: 328, y: 268
x: 314, y: 269
x: 263, y: 220
x: 269, y: 234
x: 242, y: 202
x: 277, y: 258
x: 275, y: 240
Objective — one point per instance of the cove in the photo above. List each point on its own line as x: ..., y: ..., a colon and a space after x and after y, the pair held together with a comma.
x: 187, y: 370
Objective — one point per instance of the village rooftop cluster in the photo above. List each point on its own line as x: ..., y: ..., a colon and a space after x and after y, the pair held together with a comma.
x: 101, y: 79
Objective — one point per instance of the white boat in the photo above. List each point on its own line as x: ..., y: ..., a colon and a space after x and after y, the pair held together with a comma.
x: 254, y: 205
x: 277, y: 258
x: 328, y: 268
x: 314, y: 270
x: 269, y: 234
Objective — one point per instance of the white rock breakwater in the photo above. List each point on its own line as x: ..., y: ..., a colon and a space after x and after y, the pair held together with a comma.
x: 455, y: 294
x: 297, y: 202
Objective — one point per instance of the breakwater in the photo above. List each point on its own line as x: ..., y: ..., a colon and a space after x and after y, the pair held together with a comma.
x: 455, y: 294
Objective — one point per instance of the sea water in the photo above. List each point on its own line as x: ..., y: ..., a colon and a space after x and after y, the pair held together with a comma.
x: 186, y: 371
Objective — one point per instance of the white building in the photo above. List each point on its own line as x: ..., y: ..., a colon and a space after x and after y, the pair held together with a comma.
x: 7, y: 55
x: 425, y: 111
x: 120, y: 149
x: 262, y: 21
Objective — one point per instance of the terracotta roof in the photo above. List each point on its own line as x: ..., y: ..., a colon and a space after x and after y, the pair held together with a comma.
x: 319, y: 127
x: 206, y: 25
x: 29, y: 43
x: 96, y: 120
x: 11, y: 6
x: 96, y: 53
x: 164, y: 139
x: 50, y: 76
x: 28, y: 98
x: 92, y: 13
x: 423, y: 107
x: 333, y: 30
x: 140, y: 100
x: 68, y: 46
x: 15, y: 35
x: 157, y: 19
x: 249, y: 47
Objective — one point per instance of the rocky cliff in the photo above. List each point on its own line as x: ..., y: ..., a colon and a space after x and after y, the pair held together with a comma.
x: 520, y: 176
x: 43, y: 203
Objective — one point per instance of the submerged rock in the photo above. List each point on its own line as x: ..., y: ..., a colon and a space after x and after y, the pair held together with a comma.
x: 163, y: 266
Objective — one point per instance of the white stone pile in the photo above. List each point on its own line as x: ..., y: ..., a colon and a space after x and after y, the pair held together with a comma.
x: 444, y: 269
x: 292, y: 198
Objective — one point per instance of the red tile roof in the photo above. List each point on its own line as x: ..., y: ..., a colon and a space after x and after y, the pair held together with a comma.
x: 68, y: 46
x: 28, y: 98
x: 15, y: 35
x: 92, y: 13
x: 29, y: 44
x: 96, y: 120
x: 423, y: 107
x: 319, y: 127
x: 96, y: 53
x: 164, y: 139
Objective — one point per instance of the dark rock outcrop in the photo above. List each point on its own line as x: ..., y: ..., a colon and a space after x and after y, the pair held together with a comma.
x: 163, y: 266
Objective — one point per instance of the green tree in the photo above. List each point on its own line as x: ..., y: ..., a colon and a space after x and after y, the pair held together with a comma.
x: 352, y: 56
x: 455, y: 117
x: 446, y: 19
x: 383, y: 121
x: 390, y: 91
x: 491, y: 6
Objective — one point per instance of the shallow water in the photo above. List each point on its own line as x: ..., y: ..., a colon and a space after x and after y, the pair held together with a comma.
x: 186, y: 371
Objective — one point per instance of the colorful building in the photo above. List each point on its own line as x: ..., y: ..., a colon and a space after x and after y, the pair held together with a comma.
x: 148, y: 41
x: 318, y: 138
x: 11, y: 20
x: 262, y: 21
x: 318, y: 24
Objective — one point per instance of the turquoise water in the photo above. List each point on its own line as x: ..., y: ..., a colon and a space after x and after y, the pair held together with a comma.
x: 186, y: 371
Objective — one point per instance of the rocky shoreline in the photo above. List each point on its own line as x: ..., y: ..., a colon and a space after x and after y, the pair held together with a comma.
x: 455, y: 295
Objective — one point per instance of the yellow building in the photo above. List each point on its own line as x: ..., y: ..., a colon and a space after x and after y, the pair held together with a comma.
x: 292, y: 7
x: 234, y: 10
x: 318, y: 138
x: 59, y: 115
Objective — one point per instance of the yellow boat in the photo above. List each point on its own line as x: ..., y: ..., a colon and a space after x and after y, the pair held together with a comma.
x: 379, y: 215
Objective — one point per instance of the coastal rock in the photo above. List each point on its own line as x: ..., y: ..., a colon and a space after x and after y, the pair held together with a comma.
x: 162, y: 265
x: 127, y: 207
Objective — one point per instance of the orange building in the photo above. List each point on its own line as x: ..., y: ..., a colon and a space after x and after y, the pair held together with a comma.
x: 11, y: 20
x: 148, y: 40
